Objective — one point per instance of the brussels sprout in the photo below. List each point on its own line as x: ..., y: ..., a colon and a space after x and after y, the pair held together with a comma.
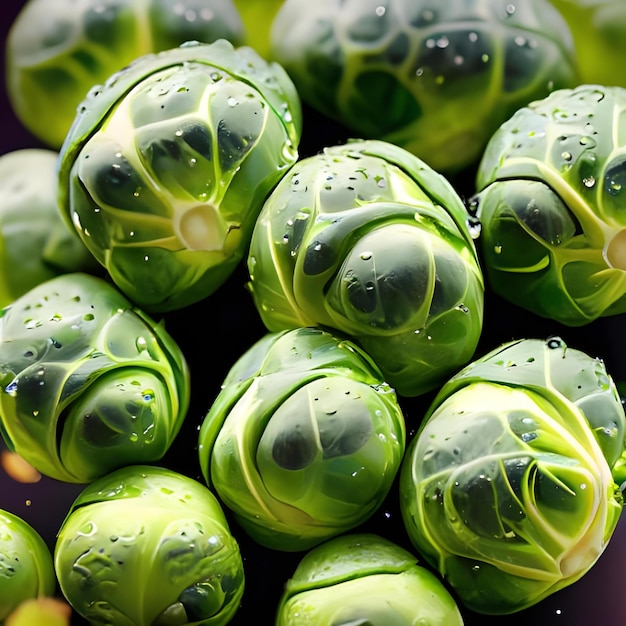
x: 35, y: 242
x: 507, y: 489
x: 304, y: 440
x: 56, y: 51
x: 87, y: 382
x: 146, y: 546
x: 599, y: 32
x: 26, y: 568
x: 364, y: 579
x: 550, y: 197
x: 367, y: 239
x: 434, y: 78
x: 165, y: 169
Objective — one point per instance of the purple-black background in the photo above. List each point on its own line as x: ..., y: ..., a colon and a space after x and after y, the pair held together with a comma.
x: 213, y: 334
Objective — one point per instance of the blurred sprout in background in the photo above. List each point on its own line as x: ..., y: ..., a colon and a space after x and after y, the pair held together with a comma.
x: 367, y: 239
x: 88, y: 383
x: 149, y: 547
x: 364, y: 579
x: 599, y: 31
x: 26, y: 566
x: 167, y: 165
x: 435, y: 78
x: 56, y: 51
x: 304, y: 440
x: 257, y: 17
x: 507, y: 487
x: 36, y: 243
x: 551, y: 192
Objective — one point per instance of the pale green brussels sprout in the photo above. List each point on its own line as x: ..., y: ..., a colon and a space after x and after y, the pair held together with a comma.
x: 88, y: 382
x: 26, y: 568
x: 56, y: 51
x: 367, y: 239
x: 599, y: 31
x: 304, y: 440
x: 364, y: 579
x: 167, y: 165
x: 36, y: 244
x: 147, y: 546
x: 550, y: 199
x: 433, y: 77
x: 507, y: 487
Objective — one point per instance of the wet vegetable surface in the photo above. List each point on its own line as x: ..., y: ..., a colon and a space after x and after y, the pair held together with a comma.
x: 597, y: 598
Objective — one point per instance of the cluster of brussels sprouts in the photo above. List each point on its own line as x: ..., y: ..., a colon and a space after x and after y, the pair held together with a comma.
x: 465, y: 158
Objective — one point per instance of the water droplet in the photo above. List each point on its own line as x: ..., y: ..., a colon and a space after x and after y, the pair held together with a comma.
x: 11, y: 388
x: 497, y: 249
x: 365, y: 256
x: 589, y: 181
x: 232, y: 102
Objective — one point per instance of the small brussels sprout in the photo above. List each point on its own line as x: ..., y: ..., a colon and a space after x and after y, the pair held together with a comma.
x: 56, y: 51
x: 365, y: 579
x: 599, y: 31
x: 167, y: 165
x: 36, y: 244
x: 87, y: 382
x: 147, y: 546
x: 304, y: 440
x: 550, y: 196
x: 507, y: 488
x: 367, y: 239
x: 26, y: 568
x: 436, y: 78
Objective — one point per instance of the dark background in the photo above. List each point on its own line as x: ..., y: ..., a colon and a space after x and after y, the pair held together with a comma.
x: 214, y: 333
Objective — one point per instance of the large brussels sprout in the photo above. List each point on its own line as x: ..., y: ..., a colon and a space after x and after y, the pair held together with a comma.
x: 26, y: 568
x: 364, y: 579
x: 304, y: 440
x: 550, y: 199
x: 507, y: 488
x: 87, y: 382
x: 36, y: 243
x: 146, y: 546
x: 365, y: 238
x: 56, y: 51
x: 433, y: 77
x: 166, y: 167
x: 599, y: 32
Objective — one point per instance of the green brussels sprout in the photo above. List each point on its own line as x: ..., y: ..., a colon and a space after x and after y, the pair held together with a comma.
x: 167, y: 165
x: 304, y: 440
x: 147, y: 546
x: 598, y: 29
x: 365, y: 238
x: 56, y: 51
x: 507, y: 489
x: 550, y: 198
x: 364, y: 579
x: 26, y: 568
x: 88, y: 383
x: 35, y: 242
x: 434, y: 78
